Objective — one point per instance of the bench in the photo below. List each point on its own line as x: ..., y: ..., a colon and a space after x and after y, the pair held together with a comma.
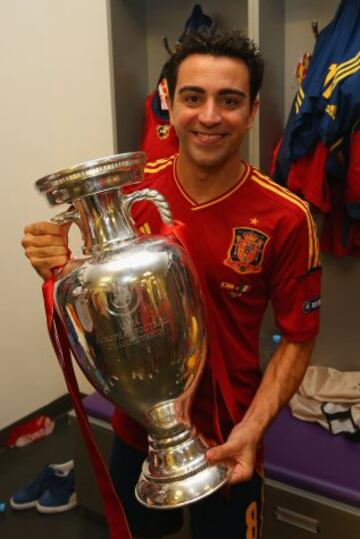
x: 312, y: 477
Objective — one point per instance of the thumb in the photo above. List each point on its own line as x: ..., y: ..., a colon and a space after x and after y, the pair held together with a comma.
x: 221, y: 452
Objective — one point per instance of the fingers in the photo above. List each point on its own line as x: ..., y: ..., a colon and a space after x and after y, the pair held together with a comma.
x: 44, y: 266
x: 46, y: 246
x: 49, y: 251
x: 29, y: 240
x: 46, y: 228
x: 240, y: 462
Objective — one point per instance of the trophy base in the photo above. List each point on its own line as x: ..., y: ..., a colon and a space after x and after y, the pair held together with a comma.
x: 174, y: 476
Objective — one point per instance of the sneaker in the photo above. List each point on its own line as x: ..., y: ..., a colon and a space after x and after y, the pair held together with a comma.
x: 29, y: 495
x: 60, y: 496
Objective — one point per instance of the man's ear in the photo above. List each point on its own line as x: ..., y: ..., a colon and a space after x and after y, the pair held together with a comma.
x: 170, y: 108
x: 253, y: 112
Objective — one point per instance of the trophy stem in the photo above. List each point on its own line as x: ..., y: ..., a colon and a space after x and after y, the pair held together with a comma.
x: 104, y: 223
x: 176, y: 472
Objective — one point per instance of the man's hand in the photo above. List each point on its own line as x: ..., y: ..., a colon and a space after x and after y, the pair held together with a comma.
x: 46, y: 246
x: 239, y: 452
x: 282, y: 377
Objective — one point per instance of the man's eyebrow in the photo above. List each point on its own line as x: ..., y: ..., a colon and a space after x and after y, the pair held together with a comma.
x: 232, y: 91
x: 197, y: 89
x: 222, y: 92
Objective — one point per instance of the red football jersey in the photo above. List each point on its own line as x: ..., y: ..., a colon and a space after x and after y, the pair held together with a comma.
x: 307, y: 177
x: 352, y: 194
x: 257, y: 243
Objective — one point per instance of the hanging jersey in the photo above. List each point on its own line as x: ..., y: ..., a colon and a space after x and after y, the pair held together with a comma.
x: 352, y: 192
x: 257, y: 243
x: 341, y: 229
x: 307, y: 177
x: 159, y: 137
x: 302, y: 67
x: 328, y: 102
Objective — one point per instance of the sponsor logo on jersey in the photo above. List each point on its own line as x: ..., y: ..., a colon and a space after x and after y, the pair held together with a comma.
x: 311, y: 305
x: 235, y: 291
x: 163, y: 131
x: 247, y: 250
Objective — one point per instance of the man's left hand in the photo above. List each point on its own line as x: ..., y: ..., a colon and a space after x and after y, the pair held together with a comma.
x: 238, y: 452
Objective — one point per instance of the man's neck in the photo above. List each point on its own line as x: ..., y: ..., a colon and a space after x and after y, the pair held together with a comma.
x: 204, y: 183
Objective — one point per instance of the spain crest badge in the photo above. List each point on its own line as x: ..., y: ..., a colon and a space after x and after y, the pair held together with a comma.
x: 247, y: 250
x: 163, y: 131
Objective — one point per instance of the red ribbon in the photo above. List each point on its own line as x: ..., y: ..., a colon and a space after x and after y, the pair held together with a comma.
x: 218, y: 370
x: 114, y: 512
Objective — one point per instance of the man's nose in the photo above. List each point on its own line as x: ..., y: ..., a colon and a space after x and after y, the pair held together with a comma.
x: 209, y: 114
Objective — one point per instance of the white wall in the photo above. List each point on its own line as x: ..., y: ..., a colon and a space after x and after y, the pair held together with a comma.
x: 56, y: 110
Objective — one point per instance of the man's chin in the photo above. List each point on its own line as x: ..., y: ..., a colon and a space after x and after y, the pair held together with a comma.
x: 208, y: 159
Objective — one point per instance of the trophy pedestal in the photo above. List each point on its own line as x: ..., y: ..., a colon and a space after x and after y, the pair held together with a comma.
x: 176, y: 472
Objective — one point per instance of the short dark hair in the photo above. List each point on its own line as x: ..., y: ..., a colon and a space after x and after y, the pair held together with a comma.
x: 230, y: 43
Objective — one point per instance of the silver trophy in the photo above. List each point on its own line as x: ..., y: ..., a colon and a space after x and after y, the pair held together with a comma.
x: 133, y: 312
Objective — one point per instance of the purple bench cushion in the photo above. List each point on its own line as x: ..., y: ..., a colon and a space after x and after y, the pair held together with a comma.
x: 97, y: 406
x: 307, y: 456
x: 297, y: 453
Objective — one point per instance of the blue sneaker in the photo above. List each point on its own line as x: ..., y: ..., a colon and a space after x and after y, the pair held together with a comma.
x: 60, y: 496
x: 28, y: 496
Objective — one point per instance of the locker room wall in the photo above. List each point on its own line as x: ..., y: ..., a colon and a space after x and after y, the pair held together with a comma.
x: 128, y: 34
x: 271, y: 41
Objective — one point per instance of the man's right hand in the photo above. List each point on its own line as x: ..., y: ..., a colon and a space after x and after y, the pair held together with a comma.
x: 46, y: 246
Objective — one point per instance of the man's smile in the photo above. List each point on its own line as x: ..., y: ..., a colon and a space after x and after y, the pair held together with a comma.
x: 209, y: 138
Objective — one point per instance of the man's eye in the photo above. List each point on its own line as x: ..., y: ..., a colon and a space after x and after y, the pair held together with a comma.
x: 192, y: 99
x: 230, y: 102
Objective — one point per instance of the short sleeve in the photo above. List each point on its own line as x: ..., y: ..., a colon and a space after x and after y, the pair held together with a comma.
x: 295, y: 280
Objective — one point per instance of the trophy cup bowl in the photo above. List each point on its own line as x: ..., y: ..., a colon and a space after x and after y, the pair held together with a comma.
x: 134, y: 315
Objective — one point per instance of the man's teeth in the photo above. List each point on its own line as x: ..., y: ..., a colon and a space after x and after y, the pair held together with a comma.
x: 208, y: 138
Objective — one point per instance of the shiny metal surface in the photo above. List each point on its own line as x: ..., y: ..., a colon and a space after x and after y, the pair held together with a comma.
x: 133, y: 313
x: 91, y: 177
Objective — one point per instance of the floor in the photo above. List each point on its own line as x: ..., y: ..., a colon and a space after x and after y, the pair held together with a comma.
x: 17, y: 468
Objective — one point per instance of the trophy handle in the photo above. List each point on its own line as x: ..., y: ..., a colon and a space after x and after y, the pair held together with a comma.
x: 153, y: 196
x: 71, y: 215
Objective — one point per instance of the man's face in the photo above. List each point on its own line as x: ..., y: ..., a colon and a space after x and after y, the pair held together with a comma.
x: 211, y: 109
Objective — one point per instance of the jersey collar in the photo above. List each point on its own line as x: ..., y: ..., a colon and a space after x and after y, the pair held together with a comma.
x: 194, y: 205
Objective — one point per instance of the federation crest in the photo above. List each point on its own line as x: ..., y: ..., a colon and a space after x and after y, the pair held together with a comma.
x: 163, y: 131
x: 247, y: 250
x: 121, y: 300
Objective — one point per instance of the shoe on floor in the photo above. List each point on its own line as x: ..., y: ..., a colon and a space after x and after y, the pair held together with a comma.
x: 28, y: 496
x: 60, y: 496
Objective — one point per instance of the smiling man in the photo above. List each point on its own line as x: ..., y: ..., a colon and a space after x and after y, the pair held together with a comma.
x: 254, y: 242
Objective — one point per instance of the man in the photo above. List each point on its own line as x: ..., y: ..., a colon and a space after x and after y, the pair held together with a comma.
x: 255, y: 242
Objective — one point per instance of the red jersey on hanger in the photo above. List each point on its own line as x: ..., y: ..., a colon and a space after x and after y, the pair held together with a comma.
x: 159, y: 138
